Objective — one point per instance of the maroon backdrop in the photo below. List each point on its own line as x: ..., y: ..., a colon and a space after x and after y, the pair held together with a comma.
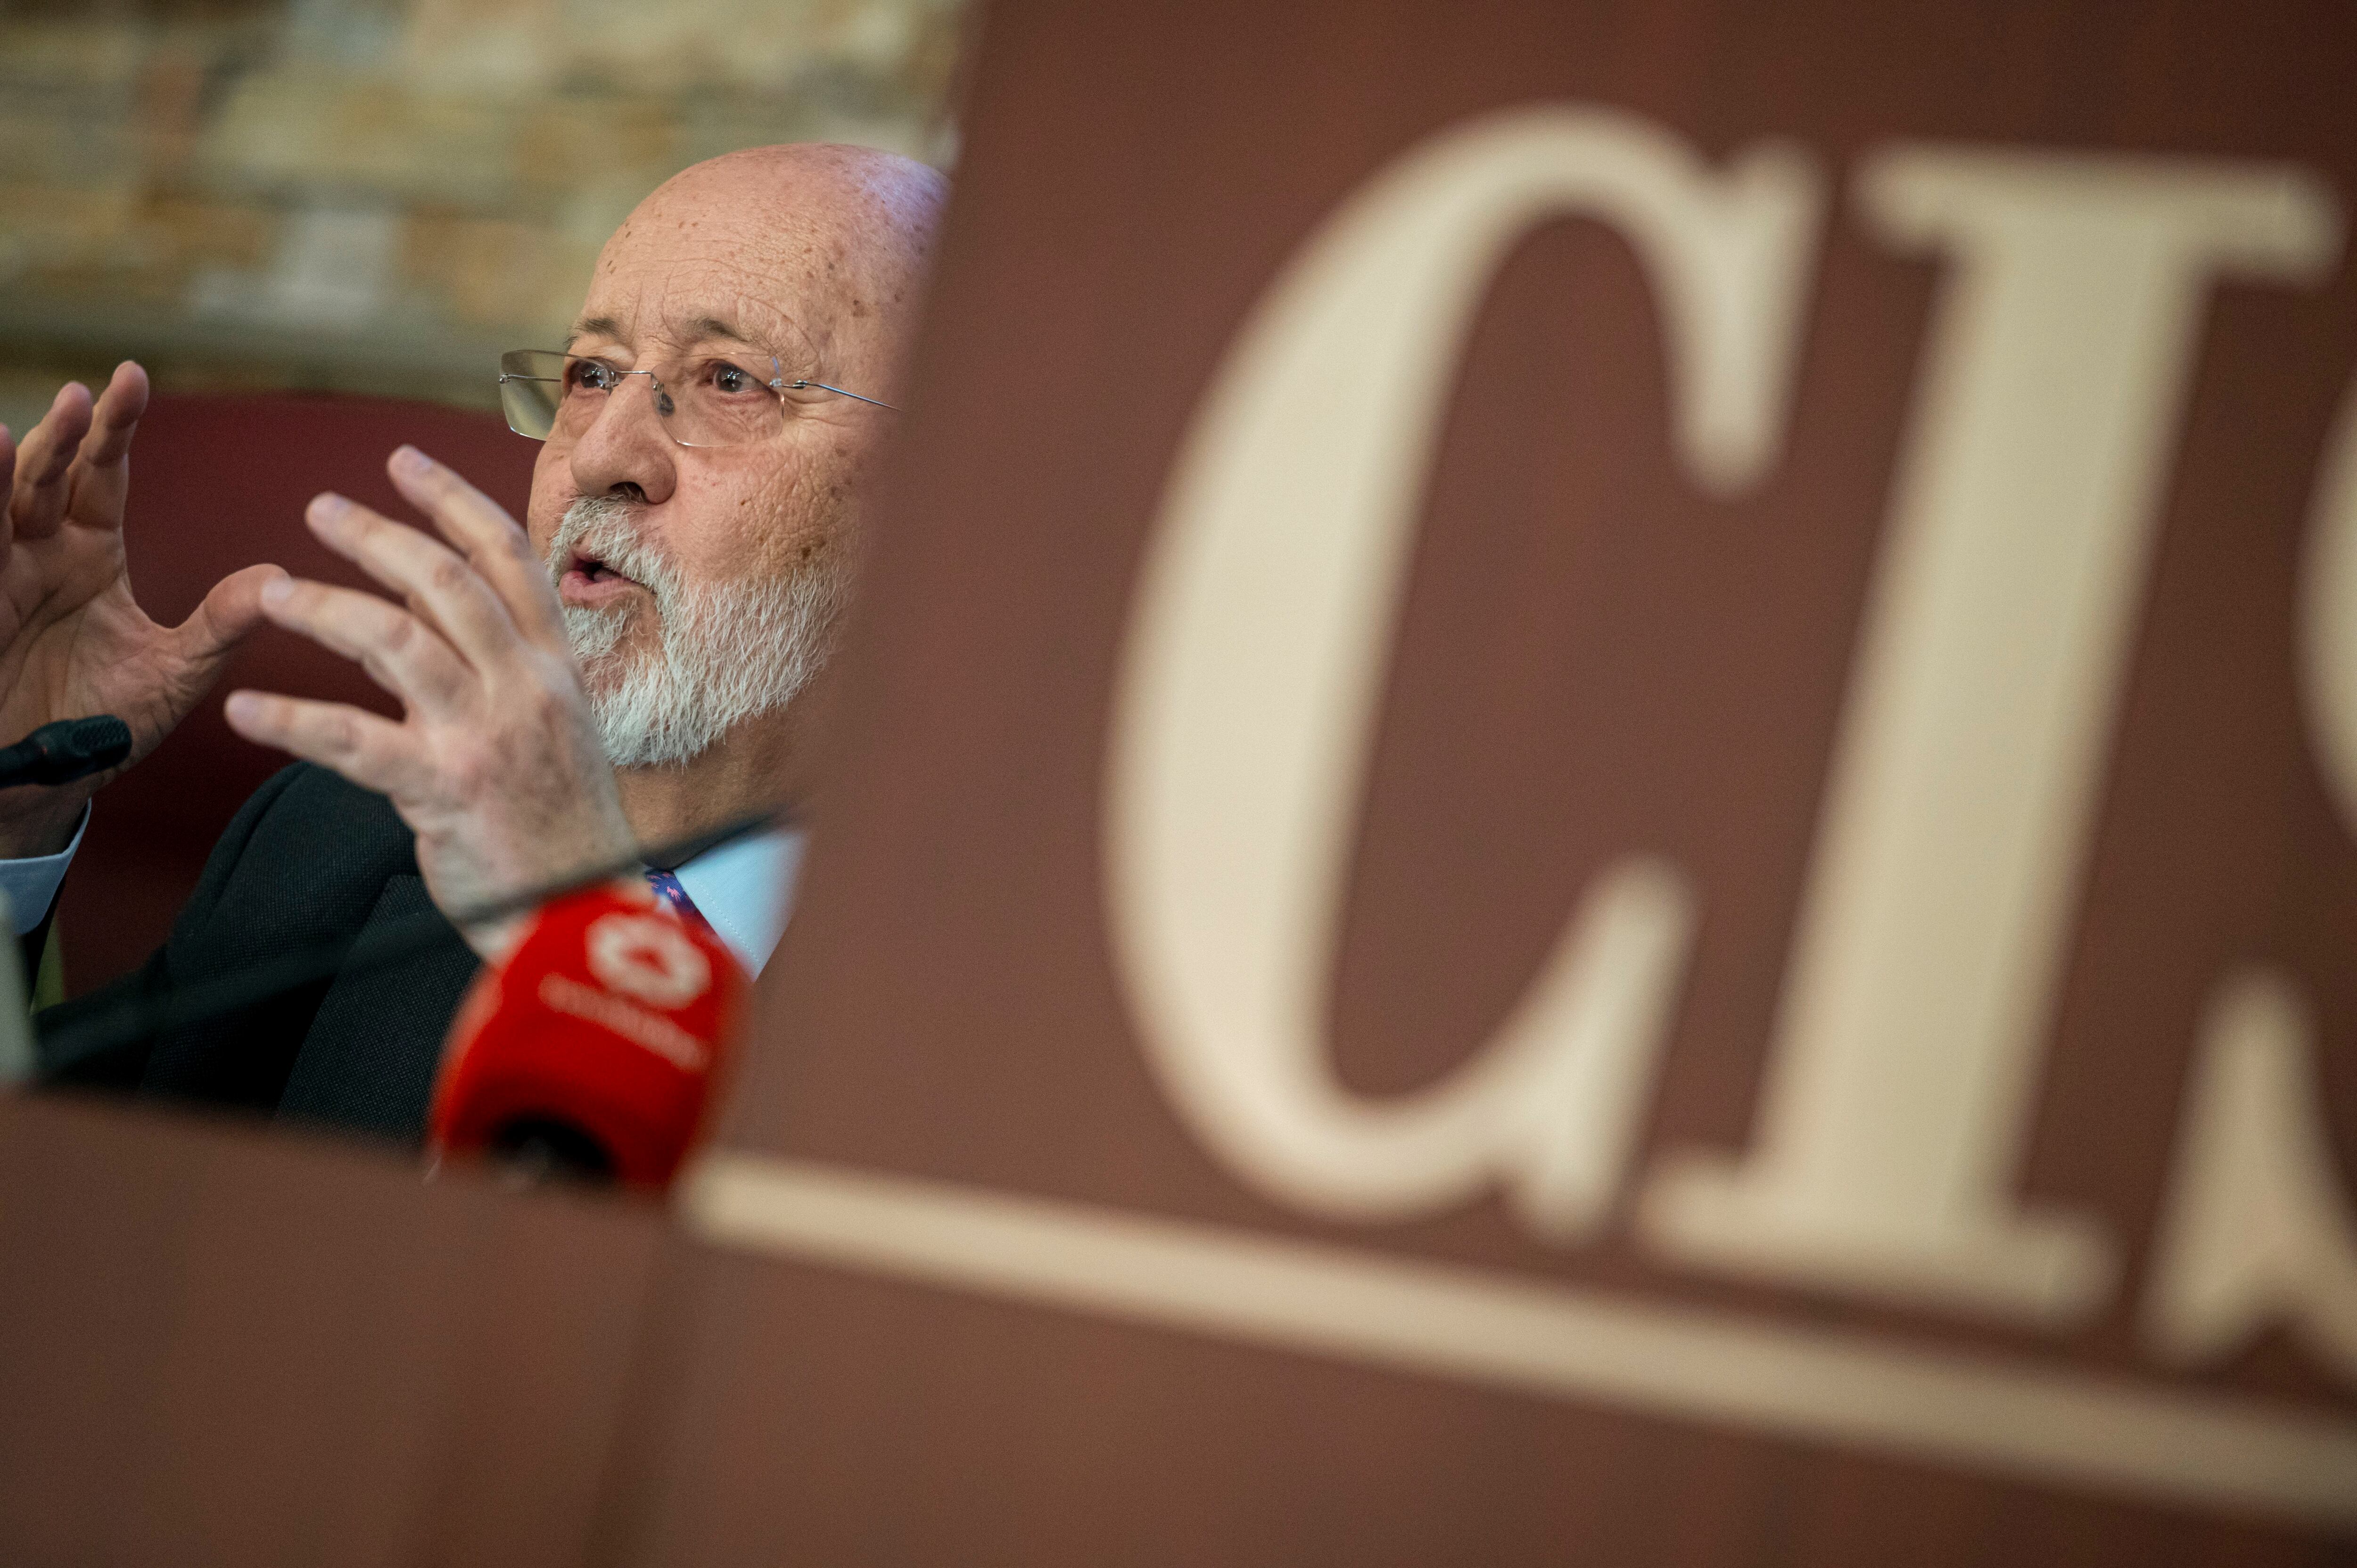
x: 218, y: 483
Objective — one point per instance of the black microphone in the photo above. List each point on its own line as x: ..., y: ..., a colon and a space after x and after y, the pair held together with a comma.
x: 62, y: 752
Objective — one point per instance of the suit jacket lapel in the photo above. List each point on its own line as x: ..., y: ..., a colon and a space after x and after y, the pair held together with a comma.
x: 369, y: 1058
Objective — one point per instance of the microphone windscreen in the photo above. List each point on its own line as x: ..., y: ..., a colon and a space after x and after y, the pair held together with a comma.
x: 97, y: 742
x: 602, y: 1031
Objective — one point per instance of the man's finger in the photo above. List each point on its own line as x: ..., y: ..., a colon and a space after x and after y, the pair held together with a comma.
x: 489, y: 537
x: 105, y: 477
x: 370, y: 751
x: 398, y: 650
x: 36, y: 500
x: 440, y: 585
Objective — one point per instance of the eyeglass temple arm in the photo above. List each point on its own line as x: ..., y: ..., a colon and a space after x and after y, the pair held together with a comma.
x: 797, y: 386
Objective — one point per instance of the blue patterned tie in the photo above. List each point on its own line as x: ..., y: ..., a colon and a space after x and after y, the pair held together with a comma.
x: 667, y: 888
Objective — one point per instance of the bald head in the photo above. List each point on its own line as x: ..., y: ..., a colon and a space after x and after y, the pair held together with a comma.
x: 838, y: 238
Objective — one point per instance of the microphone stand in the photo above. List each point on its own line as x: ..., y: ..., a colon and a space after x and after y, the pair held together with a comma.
x: 140, y: 1016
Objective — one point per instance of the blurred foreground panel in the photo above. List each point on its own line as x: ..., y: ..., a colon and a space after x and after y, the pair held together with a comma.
x: 1606, y: 807
x: 221, y: 1347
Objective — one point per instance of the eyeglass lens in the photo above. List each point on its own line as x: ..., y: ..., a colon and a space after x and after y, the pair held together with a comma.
x: 713, y: 402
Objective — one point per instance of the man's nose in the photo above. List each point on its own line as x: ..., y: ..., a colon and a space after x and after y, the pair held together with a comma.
x: 626, y: 444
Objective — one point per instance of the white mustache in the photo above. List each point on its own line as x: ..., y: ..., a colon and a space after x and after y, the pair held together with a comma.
x: 602, y: 527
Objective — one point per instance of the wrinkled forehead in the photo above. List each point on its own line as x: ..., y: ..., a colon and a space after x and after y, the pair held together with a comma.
x: 677, y: 279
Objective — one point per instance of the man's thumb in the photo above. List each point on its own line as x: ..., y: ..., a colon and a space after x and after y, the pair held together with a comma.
x: 231, y: 611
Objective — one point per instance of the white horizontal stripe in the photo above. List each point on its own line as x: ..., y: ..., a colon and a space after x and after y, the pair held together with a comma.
x: 2044, y: 1423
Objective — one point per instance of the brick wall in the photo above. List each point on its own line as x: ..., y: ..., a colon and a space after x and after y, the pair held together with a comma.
x: 378, y: 194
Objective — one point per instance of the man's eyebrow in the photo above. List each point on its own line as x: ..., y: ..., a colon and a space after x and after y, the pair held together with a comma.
x: 698, y: 329
x: 780, y: 346
x: 713, y: 327
x: 594, y: 327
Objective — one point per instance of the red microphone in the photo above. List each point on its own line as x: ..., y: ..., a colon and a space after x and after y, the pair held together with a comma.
x: 593, y: 1049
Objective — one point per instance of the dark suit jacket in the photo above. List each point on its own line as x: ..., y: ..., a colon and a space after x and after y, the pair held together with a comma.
x: 309, y: 859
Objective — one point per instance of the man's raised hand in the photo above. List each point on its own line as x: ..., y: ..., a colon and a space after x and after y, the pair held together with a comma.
x: 72, y: 642
x: 496, y: 765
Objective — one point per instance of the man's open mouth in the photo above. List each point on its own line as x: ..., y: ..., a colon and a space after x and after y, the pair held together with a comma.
x: 586, y: 577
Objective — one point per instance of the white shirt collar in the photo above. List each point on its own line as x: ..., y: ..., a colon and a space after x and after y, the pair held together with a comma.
x: 745, y: 889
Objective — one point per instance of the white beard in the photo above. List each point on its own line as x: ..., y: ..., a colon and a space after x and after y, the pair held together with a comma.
x: 728, y: 650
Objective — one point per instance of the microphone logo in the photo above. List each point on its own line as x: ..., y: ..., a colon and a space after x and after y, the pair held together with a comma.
x: 649, y: 957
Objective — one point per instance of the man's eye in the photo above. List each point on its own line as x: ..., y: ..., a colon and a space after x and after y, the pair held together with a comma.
x: 731, y: 381
x: 588, y: 375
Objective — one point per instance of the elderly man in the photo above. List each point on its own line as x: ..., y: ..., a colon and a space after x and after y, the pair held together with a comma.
x: 628, y: 668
